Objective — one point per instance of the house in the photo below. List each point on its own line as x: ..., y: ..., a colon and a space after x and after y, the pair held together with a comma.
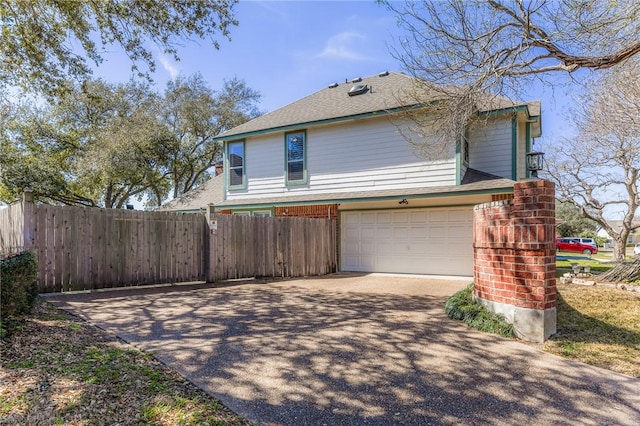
x: 634, y: 236
x: 198, y: 199
x: 342, y: 153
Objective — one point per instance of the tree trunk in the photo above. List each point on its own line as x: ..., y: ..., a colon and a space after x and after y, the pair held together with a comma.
x: 619, y: 249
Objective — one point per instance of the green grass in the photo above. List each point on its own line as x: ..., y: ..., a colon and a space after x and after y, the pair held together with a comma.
x: 27, y: 363
x: 597, y: 267
x: 461, y: 306
x: 180, y: 411
x: 156, y: 380
x: 598, y: 326
x: 74, y: 326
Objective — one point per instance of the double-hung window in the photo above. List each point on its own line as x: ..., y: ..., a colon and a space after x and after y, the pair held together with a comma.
x: 296, y: 167
x: 236, y: 161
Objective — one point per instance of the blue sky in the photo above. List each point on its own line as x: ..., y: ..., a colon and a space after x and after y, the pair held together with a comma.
x: 285, y: 50
x: 289, y: 49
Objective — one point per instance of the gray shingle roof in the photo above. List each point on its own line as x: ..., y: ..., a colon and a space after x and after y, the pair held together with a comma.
x: 385, y: 92
x: 198, y: 198
x: 473, y: 175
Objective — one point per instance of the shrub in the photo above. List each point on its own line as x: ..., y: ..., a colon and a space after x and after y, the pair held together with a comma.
x: 18, y: 285
x: 461, y: 306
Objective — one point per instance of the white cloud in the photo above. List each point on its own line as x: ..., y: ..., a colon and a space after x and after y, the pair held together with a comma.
x: 168, y: 66
x: 344, y: 46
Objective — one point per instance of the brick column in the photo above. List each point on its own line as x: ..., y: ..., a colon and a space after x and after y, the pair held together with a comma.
x: 514, y: 258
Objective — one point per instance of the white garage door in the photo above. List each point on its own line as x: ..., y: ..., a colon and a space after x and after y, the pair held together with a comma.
x: 415, y: 241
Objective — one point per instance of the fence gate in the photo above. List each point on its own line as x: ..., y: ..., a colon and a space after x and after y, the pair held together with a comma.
x: 244, y: 246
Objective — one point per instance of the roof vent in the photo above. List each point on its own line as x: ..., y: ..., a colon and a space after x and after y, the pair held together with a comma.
x: 357, y: 80
x: 383, y: 74
x: 333, y: 86
x: 358, y: 90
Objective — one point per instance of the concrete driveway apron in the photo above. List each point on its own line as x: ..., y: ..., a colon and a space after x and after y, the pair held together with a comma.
x: 354, y: 350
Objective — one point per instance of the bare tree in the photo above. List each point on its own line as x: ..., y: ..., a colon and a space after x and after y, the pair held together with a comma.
x: 474, y: 51
x: 600, y: 174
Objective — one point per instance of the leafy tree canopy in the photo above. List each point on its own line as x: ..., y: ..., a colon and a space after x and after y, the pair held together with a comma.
x: 45, y: 43
x: 101, y: 144
x: 195, y: 114
x: 571, y: 222
x: 93, y: 147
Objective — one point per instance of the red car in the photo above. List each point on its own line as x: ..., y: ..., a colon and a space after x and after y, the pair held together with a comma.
x: 574, y: 244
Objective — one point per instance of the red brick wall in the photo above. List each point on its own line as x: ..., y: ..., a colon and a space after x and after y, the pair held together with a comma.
x: 500, y: 197
x: 317, y: 211
x: 514, y: 248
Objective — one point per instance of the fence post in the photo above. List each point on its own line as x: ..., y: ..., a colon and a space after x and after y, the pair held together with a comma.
x: 210, y: 245
x: 28, y: 232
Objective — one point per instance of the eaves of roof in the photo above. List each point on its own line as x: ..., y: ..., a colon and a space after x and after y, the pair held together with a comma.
x: 493, y: 186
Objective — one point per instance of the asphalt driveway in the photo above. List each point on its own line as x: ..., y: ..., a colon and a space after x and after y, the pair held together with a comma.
x: 354, y: 350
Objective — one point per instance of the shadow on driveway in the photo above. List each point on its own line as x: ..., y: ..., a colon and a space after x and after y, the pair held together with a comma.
x: 354, y: 350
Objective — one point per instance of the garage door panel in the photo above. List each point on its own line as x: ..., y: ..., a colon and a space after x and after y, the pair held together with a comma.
x: 385, y: 264
x: 352, y: 246
x: 400, y: 217
x: 418, y: 249
x: 418, y: 216
x: 385, y: 249
x: 384, y: 233
x: 352, y: 263
x: 382, y: 217
x: 367, y: 233
x: 367, y: 248
x: 351, y: 234
x: 369, y: 218
x: 367, y: 264
x: 457, y: 215
x: 458, y: 232
x: 437, y: 231
x: 419, y: 232
x: 401, y: 233
x: 424, y: 241
x: 438, y: 216
x: 400, y: 247
x: 350, y: 218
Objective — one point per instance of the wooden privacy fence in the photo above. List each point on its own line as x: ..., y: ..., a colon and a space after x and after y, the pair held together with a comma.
x: 12, y: 229
x: 81, y: 248
x: 243, y: 246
